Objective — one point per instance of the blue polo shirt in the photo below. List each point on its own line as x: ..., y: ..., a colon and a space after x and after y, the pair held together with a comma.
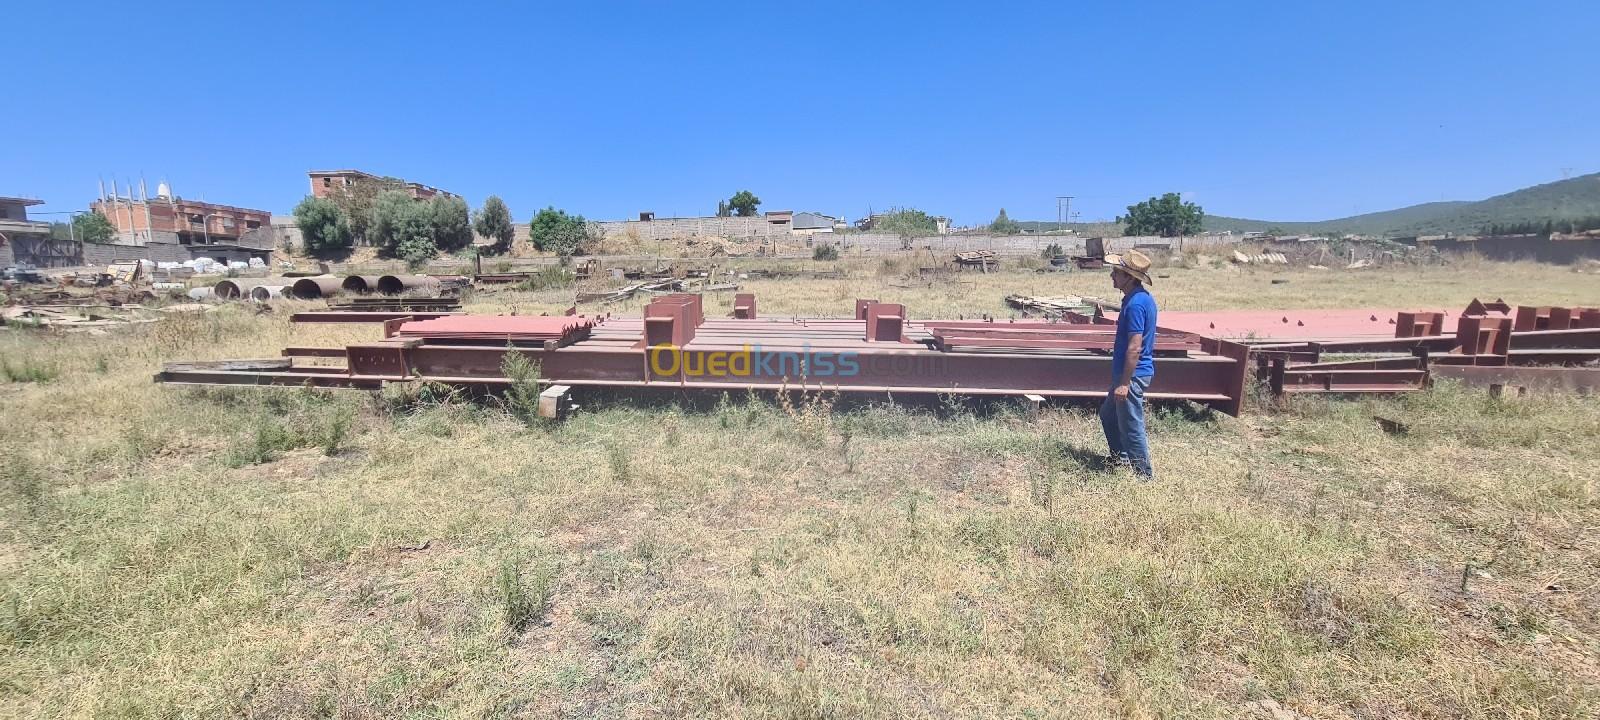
x: 1138, y: 316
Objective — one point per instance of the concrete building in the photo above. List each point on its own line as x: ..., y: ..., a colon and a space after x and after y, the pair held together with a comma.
x: 14, y: 218
x: 166, y: 219
x: 810, y: 223
x: 324, y: 183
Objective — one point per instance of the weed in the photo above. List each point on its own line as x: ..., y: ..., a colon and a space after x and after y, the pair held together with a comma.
x: 521, y: 398
x: 523, y: 600
x: 29, y: 370
x: 338, y: 429
x: 23, y: 479
x: 267, y: 439
x: 621, y: 470
x: 549, y: 277
x: 812, y: 415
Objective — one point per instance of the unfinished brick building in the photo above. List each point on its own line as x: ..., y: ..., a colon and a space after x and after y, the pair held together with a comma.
x: 325, y: 183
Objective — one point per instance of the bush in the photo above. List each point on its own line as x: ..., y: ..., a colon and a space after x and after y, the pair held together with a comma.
x: 555, y: 231
x: 825, y: 252
x: 1053, y: 250
x: 522, y: 396
x: 549, y: 277
x: 322, y: 224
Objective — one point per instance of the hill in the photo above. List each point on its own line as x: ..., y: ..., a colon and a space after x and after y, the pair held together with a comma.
x: 1565, y: 200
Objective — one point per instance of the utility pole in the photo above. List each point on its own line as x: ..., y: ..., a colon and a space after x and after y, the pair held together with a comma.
x: 1063, y: 214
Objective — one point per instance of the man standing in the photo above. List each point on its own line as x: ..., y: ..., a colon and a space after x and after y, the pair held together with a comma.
x: 1132, y: 363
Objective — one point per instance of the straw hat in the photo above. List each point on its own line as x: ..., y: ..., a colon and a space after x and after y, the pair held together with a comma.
x: 1135, y: 263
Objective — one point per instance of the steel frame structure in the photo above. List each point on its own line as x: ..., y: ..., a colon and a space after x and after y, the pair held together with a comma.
x: 675, y: 347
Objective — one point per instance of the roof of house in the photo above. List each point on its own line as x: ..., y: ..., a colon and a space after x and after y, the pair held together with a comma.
x: 811, y: 220
x: 339, y: 172
x: 20, y: 201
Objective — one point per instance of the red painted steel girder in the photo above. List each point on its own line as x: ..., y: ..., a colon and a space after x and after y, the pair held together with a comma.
x: 363, y: 316
x: 498, y: 327
x: 1580, y: 380
x: 1583, y: 338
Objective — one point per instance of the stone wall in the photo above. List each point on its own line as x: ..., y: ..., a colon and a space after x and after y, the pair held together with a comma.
x: 665, y: 229
x: 1014, y: 244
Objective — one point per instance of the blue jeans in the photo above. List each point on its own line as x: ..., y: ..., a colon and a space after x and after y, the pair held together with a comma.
x: 1123, y: 422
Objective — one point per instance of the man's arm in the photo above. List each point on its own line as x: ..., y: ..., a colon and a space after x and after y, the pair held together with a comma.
x: 1129, y: 364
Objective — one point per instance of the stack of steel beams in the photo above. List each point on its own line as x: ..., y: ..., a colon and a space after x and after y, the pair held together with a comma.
x: 673, y: 346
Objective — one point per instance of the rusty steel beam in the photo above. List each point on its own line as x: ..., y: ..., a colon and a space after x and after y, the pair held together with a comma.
x: 1296, y: 380
x: 363, y: 316
x: 1409, y: 362
x: 1579, y: 380
x: 1582, y: 338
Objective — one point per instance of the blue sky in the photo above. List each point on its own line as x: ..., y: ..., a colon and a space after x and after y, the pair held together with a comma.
x: 1277, y: 110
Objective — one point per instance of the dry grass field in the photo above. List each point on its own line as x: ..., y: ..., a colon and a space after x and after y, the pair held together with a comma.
x: 203, y: 553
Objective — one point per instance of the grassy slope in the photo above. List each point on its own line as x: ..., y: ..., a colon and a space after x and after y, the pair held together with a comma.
x: 173, y: 553
x: 1573, y: 198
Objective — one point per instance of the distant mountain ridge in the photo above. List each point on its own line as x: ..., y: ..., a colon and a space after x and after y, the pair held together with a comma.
x: 1564, y: 200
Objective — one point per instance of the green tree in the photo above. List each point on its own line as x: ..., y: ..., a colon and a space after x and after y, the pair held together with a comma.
x: 358, y: 199
x: 414, y: 234
x: 390, y: 210
x: 1004, y: 225
x: 722, y: 209
x: 322, y: 224
x: 744, y: 203
x: 451, y: 226
x: 906, y: 222
x: 494, y: 222
x: 1167, y: 216
x: 555, y: 231
x: 92, y: 227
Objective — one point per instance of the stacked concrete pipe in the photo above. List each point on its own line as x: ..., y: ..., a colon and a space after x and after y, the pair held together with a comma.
x: 313, y: 288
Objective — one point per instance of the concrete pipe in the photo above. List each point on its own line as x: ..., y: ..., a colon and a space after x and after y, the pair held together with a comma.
x: 397, y: 284
x: 312, y: 288
x: 263, y: 293
x: 361, y: 284
x: 236, y: 288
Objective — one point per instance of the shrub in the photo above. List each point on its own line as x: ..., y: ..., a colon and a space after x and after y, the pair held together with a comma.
x: 549, y: 277
x: 323, y: 225
x: 555, y: 231
x: 825, y: 252
x: 29, y: 371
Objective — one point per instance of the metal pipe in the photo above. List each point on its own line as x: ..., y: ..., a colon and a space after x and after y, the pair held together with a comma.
x: 361, y: 284
x: 263, y: 293
x: 397, y: 284
x: 236, y: 288
x: 312, y: 288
